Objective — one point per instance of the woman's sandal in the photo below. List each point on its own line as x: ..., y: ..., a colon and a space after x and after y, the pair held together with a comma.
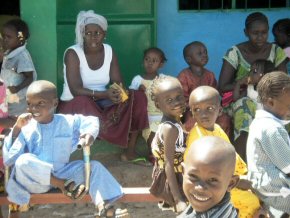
x: 74, y: 192
x: 109, y: 212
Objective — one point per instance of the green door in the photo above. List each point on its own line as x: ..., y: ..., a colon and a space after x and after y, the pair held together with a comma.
x: 132, y: 28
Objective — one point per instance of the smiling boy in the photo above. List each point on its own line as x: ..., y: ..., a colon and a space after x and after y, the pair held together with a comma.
x: 208, y: 178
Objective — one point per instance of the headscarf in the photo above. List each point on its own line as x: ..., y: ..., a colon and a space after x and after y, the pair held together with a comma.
x: 88, y: 17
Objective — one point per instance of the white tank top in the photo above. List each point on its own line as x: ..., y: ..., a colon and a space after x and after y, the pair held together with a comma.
x: 92, y: 79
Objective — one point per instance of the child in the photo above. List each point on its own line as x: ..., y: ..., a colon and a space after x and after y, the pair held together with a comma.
x: 208, y: 178
x: 168, y: 144
x: 153, y: 60
x: 18, y: 70
x: 281, y: 32
x: 195, y: 55
x: 39, y: 147
x: 258, y: 69
x: 204, y: 103
x: 268, y: 147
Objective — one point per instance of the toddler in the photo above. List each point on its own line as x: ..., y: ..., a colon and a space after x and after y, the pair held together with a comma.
x: 208, y: 178
x: 281, y: 32
x: 168, y: 144
x: 268, y: 147
x: 18, y: 70
x: 204, y: 103
x: 153, y: 60
x: 38, y: 149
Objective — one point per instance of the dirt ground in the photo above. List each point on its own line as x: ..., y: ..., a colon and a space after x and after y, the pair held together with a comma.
x: 128, y: 174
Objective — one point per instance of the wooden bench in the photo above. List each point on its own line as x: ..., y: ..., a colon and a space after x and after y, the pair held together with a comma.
x: 139, y: 194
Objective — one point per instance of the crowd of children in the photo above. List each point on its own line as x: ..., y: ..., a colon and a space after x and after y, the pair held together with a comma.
x: 197, y: 171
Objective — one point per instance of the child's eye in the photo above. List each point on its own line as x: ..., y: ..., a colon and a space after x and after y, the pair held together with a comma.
x: 196, y: 110
x: 212, y: 180
x: 211, y: 108
x: 193, y: 177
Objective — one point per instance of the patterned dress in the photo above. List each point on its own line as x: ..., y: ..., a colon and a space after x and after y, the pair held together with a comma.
x: 158, y: 147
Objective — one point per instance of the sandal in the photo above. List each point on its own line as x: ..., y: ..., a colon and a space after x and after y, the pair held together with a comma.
x: 73, y: 193
x: 138, y: 161
x: 109, y: 212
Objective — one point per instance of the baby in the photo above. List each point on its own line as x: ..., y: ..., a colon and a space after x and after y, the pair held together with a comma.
x: 208, y: 178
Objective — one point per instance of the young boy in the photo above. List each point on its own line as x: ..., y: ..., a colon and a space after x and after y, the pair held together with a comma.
x: 195, y: 75
x: 208, y: 178
x: 39, y: 147
x: 204, y: 103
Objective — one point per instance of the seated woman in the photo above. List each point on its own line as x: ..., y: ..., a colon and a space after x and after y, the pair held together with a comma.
x: 89, y: 67
x: 236, y: 67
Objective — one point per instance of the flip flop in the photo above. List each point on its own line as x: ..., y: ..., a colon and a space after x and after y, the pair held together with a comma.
x: 138, y: 161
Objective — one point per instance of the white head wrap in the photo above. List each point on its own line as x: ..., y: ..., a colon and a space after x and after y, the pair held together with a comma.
x: 88, y: 17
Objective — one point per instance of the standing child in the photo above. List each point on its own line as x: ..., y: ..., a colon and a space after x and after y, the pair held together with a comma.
x: 18, y: 70
x: 153, y: 60
x: 208, y: 178
x: 204, y: 103
x: 195, y: 55
x: 281, y: 32
x: 168, y: 144
x: 39, y: 147
x: 268, y: 146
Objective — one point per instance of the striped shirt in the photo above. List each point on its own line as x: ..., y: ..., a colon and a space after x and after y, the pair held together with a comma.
x: 222, y: 210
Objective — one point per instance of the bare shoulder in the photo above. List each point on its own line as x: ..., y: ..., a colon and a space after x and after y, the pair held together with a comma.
x: 169, y: 128
x: 70, y: 54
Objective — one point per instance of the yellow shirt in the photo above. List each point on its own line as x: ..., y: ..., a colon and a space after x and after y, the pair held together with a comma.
x: 245, y: 201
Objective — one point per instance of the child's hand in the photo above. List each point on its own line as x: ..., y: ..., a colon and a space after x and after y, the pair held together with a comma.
x: 142, y: 88
x: 13, y: 89
x: 23, y: 120
x: 244, y: 184
x: 261, y: 213
x: 243, y: 81
x: 89, y: 139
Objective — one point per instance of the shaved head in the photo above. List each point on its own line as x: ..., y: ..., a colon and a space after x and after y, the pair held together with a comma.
x: 212, y: 150
x: 42, y: 87
x: 204, y: 93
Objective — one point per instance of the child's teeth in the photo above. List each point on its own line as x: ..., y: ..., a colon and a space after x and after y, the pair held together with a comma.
x: 200, y: 198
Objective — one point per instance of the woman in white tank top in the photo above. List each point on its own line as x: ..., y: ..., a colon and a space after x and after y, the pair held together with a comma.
x: 89, y: 67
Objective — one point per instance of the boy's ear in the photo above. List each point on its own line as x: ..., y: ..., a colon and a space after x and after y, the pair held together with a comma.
x: 55, y: 102
x: 220, y: 110
x: 233, y: 183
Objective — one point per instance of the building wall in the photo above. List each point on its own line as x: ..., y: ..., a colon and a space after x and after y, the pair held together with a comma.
x: 217, y: 30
